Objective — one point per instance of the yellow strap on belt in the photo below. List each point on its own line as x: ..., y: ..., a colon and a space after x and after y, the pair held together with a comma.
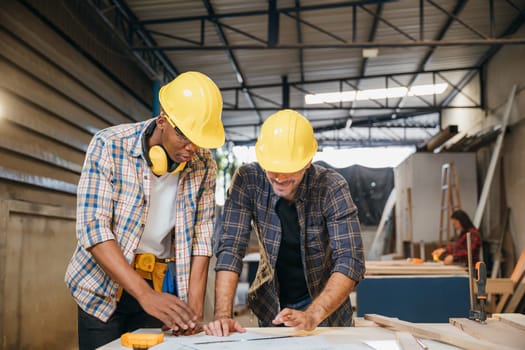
x: 135, y: 340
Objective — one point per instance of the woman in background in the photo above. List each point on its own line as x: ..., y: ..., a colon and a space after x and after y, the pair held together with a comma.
x: 457, y: 252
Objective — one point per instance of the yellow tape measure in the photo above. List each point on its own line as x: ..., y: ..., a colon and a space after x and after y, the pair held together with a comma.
x: 136, y: 340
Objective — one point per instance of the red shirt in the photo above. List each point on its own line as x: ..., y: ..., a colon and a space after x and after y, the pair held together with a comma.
x: 459, y: 248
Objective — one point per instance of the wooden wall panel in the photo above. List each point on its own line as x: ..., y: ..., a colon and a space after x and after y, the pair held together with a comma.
x: 36, y: 243
x: 54, y: 96
x: 79, y: 22
x: 45, y: 96
x: 16, y: 19
x: 37, y: 194
x: 16, y: 139
x: 29, y: 164
x: 43, y: 70
x: 39, y: 121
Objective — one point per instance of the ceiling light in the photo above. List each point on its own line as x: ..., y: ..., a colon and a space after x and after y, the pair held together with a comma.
x: 422, y: 90
x: 368, y: 53
x: 375, y: 94
x: 329, y: 97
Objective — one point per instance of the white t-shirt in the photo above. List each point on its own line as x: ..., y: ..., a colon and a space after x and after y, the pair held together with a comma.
x: 160, y: 222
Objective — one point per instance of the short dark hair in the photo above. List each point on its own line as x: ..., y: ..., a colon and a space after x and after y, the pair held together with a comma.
x: 463, y: 219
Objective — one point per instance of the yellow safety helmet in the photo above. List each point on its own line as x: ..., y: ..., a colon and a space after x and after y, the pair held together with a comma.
x: 286, y: 143
x: 193, y: 103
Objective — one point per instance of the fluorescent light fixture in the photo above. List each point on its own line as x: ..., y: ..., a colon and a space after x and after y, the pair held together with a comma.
x: 375, y: 94
x: 431, y: 89
x: 329, y: 97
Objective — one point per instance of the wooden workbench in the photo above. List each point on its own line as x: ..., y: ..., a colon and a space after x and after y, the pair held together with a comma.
x: 366, y: 335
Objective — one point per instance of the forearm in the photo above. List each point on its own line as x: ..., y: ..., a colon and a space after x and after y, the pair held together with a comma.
x: 197, y: 286
x: 109, y: 256
x: 336, y: 291
x: 225, y: 286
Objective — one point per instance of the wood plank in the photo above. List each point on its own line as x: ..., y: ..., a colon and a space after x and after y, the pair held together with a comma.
x: 411, y: 268
x: 519, y: 268
x: 493, y: 330
x: 407, y: 341
x: 516, y: 298
x: 498, y: 286
x: 462, y: 341
x: 494, y: 160
x: 515, y: 320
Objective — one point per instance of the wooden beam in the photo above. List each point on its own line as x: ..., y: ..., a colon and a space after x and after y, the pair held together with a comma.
x: 498, y: 286
x: 493, y: 331
x: 515, y: 320
x: 494, y: 160
x: 461, y: 341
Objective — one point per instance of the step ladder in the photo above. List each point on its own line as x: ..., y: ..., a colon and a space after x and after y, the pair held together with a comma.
x: 450, y: 200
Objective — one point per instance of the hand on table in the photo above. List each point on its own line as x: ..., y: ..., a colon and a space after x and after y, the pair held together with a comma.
x: 300, y: 320
x: 223, y: 327
x: 169, y: 309
x: 182, y: 332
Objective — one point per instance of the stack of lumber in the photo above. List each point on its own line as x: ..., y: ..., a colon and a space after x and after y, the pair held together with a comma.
x: 404, y: 267
x: 502, y: 331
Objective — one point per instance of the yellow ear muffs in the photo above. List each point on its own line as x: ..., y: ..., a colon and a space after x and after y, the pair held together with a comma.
x: 159, y: 160
x: 160, y: 163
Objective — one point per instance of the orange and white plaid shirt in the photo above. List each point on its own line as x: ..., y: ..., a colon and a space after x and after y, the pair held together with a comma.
x: 113, y: 202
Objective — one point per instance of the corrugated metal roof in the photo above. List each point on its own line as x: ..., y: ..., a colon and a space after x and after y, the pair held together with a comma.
x: 317, y: 50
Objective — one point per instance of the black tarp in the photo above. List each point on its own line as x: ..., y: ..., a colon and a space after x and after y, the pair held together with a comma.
x: 370, y: 188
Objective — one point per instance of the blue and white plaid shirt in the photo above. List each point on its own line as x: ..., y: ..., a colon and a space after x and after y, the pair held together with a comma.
x: 112, y: 204
x: 330, y: 235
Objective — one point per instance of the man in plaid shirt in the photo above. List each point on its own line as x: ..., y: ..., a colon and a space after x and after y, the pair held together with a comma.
x: 145, y: 213
x: 307, y: 228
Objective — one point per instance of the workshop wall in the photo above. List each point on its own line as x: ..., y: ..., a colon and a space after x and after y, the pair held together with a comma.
x: 505, y: 70
x: 502, y: 72
x: 54, y: 95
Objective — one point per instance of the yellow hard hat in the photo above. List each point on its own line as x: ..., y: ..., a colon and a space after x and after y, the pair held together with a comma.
x: 193, y: 103
x: 286, y: 143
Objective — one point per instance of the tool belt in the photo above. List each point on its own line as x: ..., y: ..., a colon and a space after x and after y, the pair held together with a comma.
x: 149, y: 267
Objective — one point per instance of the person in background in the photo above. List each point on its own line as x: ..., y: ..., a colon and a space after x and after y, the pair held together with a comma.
x: 307, y: 228
x: 145, y: 217
x: 457, y: 253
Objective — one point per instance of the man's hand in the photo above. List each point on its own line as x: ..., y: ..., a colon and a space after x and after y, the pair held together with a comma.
x: 169, y: 309
x: 181, y: 332
x: 223, y: 327
x: 300, y: 320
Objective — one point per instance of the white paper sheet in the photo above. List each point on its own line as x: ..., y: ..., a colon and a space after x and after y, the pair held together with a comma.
x: 258, y: 341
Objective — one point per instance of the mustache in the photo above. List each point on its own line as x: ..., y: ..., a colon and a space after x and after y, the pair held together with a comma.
x: 276, y: 181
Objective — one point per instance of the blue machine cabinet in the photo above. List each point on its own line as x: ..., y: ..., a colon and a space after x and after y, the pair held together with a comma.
x: 423, y: 299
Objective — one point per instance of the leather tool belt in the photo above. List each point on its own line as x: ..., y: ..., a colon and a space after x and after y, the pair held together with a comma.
x: 149, y: 267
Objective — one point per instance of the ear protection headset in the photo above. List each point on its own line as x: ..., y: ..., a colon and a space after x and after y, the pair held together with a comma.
x: 157, y: 157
